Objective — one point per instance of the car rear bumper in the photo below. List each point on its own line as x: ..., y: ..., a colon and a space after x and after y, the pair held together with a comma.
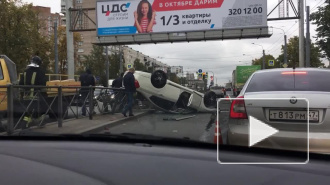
x: 284, y: 140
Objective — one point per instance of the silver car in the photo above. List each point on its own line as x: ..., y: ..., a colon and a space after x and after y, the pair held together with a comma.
x: 171, y: 97
x: 288, y: 115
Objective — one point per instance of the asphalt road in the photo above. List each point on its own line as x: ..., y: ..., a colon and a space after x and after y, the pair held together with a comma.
x: 198, y: 127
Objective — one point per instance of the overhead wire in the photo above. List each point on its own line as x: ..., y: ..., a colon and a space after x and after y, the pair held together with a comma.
x: 318, y: 4
x: 274, y: 45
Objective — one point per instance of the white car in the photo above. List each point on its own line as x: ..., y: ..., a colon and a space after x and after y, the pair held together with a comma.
x: 288, y: 115
x: 172, y: 97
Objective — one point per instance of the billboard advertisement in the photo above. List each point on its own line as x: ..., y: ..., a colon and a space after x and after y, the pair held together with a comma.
x: 162, y: 16
x: 243, y: 73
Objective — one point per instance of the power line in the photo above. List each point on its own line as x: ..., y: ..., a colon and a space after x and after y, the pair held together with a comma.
x: 317, y: 5
x: 273, y: 45
x: 288, y: 36
x: 213, y: 58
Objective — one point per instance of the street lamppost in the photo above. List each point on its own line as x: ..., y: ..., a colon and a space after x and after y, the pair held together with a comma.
x: 263, y: 55
x: 285, y: 46
x: 249, y: 56
x: 246, y: 63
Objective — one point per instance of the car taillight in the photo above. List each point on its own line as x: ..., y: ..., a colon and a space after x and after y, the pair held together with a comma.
x: 237, y: 109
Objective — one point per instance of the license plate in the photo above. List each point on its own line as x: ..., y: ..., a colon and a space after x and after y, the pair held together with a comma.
x: 293, y: 115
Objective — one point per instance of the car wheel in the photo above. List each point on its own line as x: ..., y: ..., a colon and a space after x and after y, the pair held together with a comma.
x: 158, y: 79
x: 210, y: 99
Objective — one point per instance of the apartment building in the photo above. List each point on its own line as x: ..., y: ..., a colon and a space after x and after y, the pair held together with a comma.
x: 47, y: 20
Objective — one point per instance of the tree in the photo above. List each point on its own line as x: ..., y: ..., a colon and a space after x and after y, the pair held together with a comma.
x: 96, y: 62
x: 115, y: 65
x: 62, y: 48
x: 267, y: 58
x: 139, y: 66
x: 322, y: 19
x: 293, y: 54
x: 174, y: 78
x: 19, y: 34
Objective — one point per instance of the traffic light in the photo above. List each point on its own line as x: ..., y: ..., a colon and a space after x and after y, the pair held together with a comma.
x: 211, y: 78
x: 204, y: 75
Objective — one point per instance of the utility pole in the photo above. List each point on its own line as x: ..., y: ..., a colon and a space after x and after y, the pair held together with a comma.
x: 182, y: 75
x: 263, y: 59
x: 69, y: 41
x: 308, y: 40
x: 120, y: 60
x: 107, y: 66
x: 285, y: 50
x: 263, y: 55
x: 301, y: 34
x: 56, y: 48
x: 285, y: 47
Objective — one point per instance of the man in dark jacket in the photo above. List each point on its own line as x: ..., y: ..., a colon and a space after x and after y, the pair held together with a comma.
x: 86, y: 79
x: 33, y: 75
x: 129, y: 84
x: 118, y: 82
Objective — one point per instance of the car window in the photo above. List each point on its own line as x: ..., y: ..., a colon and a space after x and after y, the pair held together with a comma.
x: 280, y: 81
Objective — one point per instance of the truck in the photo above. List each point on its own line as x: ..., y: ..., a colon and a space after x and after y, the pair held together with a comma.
x: 9, y: 75
x: 228, y: 86
x: 240, y: 75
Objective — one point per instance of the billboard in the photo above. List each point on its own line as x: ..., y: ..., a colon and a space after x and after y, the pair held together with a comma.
x: 243, y: 73
x: 135, y: 17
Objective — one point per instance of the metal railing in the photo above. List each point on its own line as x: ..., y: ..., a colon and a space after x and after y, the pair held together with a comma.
x: 30, y: 105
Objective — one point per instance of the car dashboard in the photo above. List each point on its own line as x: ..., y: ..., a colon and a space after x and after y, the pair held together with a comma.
x: 82, y: 162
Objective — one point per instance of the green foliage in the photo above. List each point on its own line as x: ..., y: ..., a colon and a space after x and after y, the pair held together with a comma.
x: 62, y: 49
x: 115, y: 66
x: 321, y: 18
x: 96, y: 62
x: 267, y: 58
x: 19, y: 35
x: 139, y: 66
x: 174, y: 78
x: 293, y: 54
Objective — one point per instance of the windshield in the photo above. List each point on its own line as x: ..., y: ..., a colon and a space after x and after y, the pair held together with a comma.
x: 163, y: 69
x: 289, y: 81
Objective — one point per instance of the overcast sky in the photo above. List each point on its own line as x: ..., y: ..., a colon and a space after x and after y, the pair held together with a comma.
x: 220, y: 57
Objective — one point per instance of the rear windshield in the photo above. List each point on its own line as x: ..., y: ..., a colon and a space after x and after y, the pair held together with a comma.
x: 289, y: 81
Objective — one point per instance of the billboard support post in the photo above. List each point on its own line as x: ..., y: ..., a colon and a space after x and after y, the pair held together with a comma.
x: 69, y: 41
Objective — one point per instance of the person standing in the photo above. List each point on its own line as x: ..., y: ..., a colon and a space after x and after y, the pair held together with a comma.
x: 118, y: 82
x: 35, y: 76
x: 130, y: 89
x: 86, y: 79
